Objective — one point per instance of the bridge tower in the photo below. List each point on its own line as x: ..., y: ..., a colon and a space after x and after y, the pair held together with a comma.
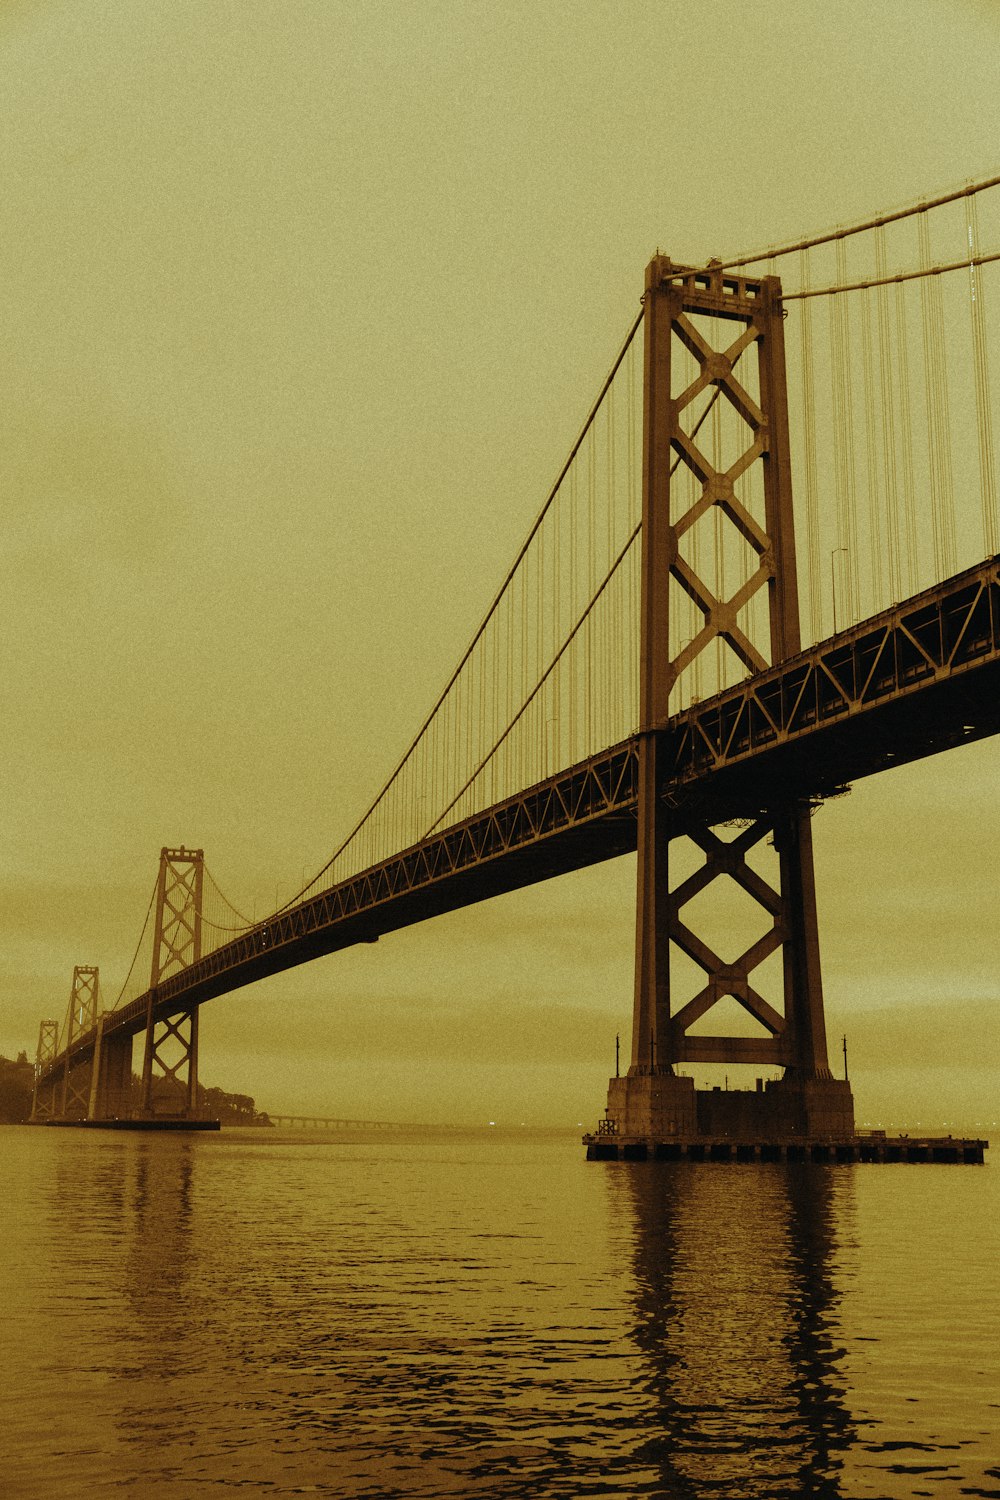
x: 81, y: 1016
x: 43, y: 1097
x: 110, y: 1096
x: 717, y: 317
x: 170, y: 1056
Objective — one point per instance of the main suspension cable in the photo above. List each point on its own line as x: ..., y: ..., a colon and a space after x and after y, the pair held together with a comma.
x: 247, y: 921
x: 874, y: 223
x: 574, y: 632
x: 533, y: 694
x: 862, y: 286
x: 511, y: 573
x: 138, y: 945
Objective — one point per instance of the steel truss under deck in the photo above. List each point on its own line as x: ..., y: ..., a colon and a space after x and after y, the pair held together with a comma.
x: 916, y: 679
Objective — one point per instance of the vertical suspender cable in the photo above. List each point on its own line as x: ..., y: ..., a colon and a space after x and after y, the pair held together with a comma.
x: 906, y: 442
x: 937, y: 407
x: 509, y: 692
x: 871, y: 454
x: 541, y: 727
x: 499, y: 692
x: 479, y: 658
x: 591, y: 581
x: 556, y: 595
x: 811, y: 485
x: 931, y: 412
x: 947, y: 475
x: 839, y: 463
x: 607, y: 735
x: 984, y: 413
x: 844, y: 442
x: 633, y: 617
x: 525, y: 678
x: 572, y: 664
x: 889, y: 475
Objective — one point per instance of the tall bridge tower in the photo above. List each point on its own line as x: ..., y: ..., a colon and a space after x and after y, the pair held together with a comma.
x: 718, y: 317
x: 44, y: 1102
x: 88, y: 1078
x: 170, y: 1055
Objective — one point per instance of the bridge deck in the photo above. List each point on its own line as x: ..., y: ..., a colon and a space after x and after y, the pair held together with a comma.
x: 916, y: 679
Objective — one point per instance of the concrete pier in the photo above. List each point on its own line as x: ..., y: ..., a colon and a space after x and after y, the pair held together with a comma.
x: 873, y: 1146
x: 661, y: 1105
x: 658, y: 1115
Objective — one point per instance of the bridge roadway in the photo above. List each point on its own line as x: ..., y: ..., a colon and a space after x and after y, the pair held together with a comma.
x: 921, y: 677
x: 323, y: 1122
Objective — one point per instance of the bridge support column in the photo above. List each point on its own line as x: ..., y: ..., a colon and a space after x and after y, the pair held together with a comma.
x: 81, y: 1016
x: 170, y: 1066
x: 44, y: 1094
x: 170, y: 1054
x: 745, y: 488
x: 111, y: 1079
x: 824, y: 1104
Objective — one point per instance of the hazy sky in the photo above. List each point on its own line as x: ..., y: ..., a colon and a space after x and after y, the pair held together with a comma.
x: 302, y: 307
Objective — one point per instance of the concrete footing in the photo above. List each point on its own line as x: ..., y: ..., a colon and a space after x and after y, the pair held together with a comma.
x: 603, y: 1146
x: 658, y: 1116
x: 661, y: 1106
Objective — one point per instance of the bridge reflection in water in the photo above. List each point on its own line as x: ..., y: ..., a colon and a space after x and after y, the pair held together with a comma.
x: 736, y: 1308
x: 491, y: 1318
x: 667, y: 657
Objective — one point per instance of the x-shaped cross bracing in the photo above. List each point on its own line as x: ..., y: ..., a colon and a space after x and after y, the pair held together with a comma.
x: 48, y: 1043
x: 77, y: 1094
x: 82, y: 1002
x: 732, y: 978
x: 718, y: 489
x: 178, y: 920
x: 167, y: 1029
x: 177, y: 937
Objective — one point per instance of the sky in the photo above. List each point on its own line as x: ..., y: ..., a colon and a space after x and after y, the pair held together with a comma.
x: 302, y: 307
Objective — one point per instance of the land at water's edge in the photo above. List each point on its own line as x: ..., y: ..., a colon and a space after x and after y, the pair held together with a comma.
x: 17, y: 1078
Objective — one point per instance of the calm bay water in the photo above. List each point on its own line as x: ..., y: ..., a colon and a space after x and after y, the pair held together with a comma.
x: 262, y: 1313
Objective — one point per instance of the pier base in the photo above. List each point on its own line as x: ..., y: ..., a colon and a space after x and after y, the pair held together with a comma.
x: 813, y: 1109
x: 653, y: 1104
x: 662, y: 1106
x: 659, y: 1116
x: 864, y: 1147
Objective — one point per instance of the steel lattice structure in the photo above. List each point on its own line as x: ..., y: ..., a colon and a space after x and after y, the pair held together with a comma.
x: 717, y: 588
x: 724, y: 763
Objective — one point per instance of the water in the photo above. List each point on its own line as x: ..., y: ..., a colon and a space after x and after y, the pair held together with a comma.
x: 266, y: 1313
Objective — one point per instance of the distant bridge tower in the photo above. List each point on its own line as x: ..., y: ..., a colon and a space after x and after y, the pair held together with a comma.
x: 65, y: 1092
x: 43, y: 1098
x: 170, y: 1057
x: 684, y: 309
x: 81, y: 1016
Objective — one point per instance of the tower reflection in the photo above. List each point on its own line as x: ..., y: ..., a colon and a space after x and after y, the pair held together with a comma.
x: 158, y: 1226
x: 736, y: 1299
x: 127, y: 1202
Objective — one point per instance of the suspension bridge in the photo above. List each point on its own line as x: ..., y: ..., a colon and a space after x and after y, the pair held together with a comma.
x: 678, y: 656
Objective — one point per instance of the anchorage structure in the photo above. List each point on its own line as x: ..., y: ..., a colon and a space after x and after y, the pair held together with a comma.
x: 652, y: 1103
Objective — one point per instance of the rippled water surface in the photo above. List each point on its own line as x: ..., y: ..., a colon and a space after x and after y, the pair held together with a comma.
x: 259, y: 1313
